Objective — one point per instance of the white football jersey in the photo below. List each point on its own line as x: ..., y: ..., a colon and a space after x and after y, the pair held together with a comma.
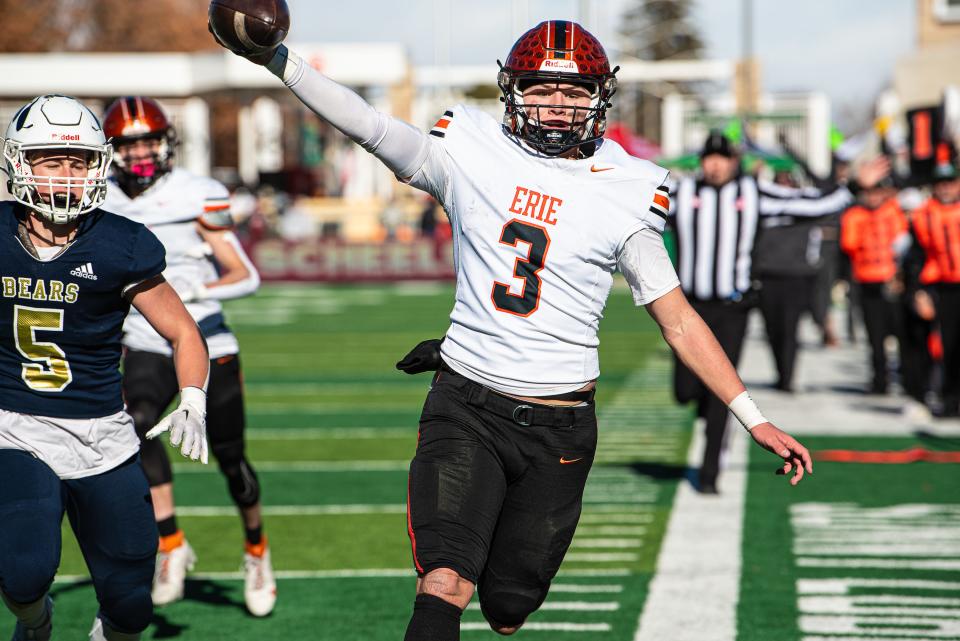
x: 171, y: 209
x: 536, y: 241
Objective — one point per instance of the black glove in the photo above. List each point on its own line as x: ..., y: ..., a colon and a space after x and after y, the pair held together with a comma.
x: 425, y: 357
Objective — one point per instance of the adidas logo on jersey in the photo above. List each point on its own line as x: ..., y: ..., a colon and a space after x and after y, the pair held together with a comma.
x: 84, y: 271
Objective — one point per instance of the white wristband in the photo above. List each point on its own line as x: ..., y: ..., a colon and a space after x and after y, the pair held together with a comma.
x: 193, y: 396
x: 746, y: 411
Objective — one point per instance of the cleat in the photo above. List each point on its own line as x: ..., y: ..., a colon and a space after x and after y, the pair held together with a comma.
x: 96, y: 632
x: 39, y: 633
x: 259, y: 586
x: 171, y: 572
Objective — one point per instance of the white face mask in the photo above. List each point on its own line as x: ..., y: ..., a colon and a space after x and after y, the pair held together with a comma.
x: 59, y: 199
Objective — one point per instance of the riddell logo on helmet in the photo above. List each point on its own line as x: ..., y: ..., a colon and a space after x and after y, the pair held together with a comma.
x: 559, y: 65
x: 66, y: 137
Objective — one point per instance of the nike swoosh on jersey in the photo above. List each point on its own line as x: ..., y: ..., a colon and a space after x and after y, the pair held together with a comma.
x: 595, y: 169
x: 566, y: 461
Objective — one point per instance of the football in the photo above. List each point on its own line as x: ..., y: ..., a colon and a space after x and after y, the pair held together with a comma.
x: 249, y: 26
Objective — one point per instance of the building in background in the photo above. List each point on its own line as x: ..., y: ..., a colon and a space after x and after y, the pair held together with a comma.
x: 921, y: 77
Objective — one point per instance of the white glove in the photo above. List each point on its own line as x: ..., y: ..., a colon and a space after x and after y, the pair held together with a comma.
x: 187, y: 423
x: 188, y: 291
x: 192, y: 293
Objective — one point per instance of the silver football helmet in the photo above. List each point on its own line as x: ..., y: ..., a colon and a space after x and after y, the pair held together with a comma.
x: 49, y: 123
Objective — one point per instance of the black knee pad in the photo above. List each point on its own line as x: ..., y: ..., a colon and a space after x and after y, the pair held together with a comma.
x: 128, y: 610
x: 511, y: 608
x: 155, y: 462
x: 242, y: 481
x: 145, y: 415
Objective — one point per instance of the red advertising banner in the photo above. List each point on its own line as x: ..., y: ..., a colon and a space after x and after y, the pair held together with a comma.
x: 334, y: 261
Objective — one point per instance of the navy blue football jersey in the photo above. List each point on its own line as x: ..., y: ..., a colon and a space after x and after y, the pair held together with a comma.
x: 61, y: 320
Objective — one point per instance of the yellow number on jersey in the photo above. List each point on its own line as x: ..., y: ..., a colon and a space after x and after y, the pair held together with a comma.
x: 52, y: 372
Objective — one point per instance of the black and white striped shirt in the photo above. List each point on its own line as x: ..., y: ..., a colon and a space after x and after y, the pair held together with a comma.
x: 716, y: 228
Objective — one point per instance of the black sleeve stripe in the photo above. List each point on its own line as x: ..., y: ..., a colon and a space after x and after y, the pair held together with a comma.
x: 438, y: 134
x: 448, y: 114
x: 658, y: 212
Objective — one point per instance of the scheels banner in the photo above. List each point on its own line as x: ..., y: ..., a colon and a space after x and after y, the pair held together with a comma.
x: 335, y: 261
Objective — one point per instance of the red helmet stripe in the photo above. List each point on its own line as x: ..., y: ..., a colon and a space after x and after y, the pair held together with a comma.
x: 570, y: 31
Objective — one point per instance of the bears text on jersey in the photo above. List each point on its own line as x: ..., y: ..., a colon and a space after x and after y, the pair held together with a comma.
x: 39, y: 289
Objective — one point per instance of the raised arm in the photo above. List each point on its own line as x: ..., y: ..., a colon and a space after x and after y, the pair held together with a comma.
x: 402, y: 147
x: 777, y: 200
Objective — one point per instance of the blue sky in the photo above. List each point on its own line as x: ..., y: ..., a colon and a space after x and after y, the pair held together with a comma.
x: 846, y: 48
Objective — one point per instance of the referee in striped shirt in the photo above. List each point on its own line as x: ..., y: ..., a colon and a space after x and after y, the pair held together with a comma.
x: 715, y: 216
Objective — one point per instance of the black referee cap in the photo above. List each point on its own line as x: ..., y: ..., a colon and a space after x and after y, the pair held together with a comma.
x: 718, y: 143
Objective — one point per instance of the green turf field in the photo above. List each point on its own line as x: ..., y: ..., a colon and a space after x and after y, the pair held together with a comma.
x: 856, y: 553
x: 867, y: 551
x: 332, y: 426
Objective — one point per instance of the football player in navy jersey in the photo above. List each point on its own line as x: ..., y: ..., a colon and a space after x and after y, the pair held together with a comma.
x: 68, y: 274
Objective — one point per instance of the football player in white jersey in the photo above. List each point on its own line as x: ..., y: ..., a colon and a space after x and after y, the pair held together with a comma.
x: 70, y: 272
x: 190, y: 215
x: 544, y: 211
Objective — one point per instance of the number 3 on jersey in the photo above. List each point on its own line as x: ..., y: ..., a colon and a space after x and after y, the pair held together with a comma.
x: 527, y: 301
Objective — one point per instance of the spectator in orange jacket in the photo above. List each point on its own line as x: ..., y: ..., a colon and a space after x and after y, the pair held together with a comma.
x: 937, y: 228
x: 873, y: 233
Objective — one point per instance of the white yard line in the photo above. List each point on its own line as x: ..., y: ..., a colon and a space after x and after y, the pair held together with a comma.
x: 570, y: 606
x: 324, y: 433
x: 304, y: 466
x: 586, y: 588
x: 372, y: 573
x: 611, y: 530
x: 601, y: 557
x: 843, y: 585
x: 604, y: 543
x: 545, y: 627
x: 295, y: 510
x: 886, y: 564
x: 700, y: 558
x: 861, y: 638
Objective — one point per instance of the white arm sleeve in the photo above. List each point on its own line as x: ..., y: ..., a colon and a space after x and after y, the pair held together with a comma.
x: 645, y: 264
x: 400, y: 146
x: 240, y: 288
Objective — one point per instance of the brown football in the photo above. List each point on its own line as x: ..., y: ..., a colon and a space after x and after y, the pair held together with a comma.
x: 249, y: 26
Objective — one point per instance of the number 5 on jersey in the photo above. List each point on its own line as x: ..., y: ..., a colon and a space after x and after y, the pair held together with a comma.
x: 37, y: 376
x: 527, y: 301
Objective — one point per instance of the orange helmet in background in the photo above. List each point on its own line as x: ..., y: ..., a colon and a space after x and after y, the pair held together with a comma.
x: 563, y: 52
x: 133, y: 118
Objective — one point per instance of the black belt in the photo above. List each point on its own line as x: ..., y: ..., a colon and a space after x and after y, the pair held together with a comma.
x: 520, y: 412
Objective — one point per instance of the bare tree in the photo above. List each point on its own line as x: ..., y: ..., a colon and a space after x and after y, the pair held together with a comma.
x: 656, y: 30
x: 661, y: 30
x: 104, y: 26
